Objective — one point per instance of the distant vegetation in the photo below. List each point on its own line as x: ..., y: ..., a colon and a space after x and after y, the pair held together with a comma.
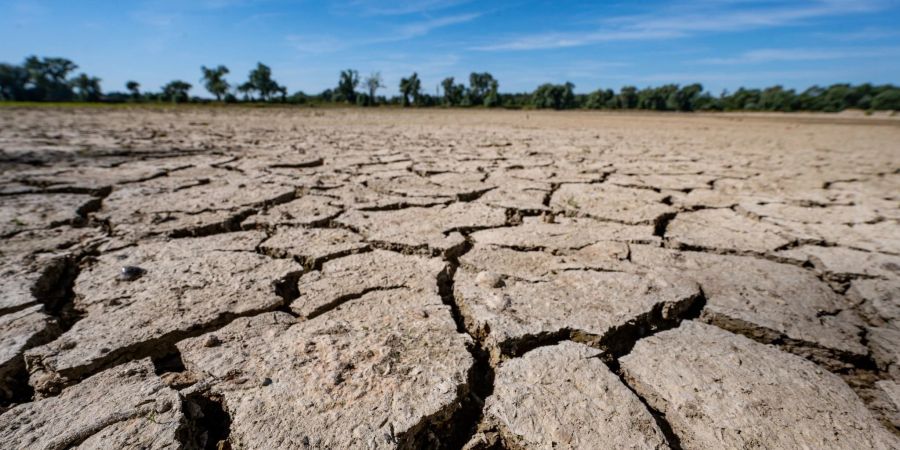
x: 54, y: 80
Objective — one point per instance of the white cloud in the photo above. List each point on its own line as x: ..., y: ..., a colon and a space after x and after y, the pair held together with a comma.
x: 686, y: 19
x: 865, y: 34
x: 564, y: 40
x: 398, y: 7
x: 318, y: 44
x: 418, y: 29
x: 706, y: 18
x: 803, y: 54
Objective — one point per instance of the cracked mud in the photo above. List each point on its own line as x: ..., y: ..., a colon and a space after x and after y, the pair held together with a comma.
x: 447, y: 279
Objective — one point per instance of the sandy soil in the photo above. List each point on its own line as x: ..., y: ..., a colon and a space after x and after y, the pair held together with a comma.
x: 347, y: 278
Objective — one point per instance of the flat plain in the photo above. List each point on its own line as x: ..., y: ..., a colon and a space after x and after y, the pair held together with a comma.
x: 218, y: 277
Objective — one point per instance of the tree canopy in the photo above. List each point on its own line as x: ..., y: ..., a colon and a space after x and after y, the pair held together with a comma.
x: 410, y: 88
x: 346, y: 89
x: 88, y: 88
x: 50, y: 79
x: 554, y: 96
x: 260, y: 81
x: 214, y: 81
x: 176, y: 91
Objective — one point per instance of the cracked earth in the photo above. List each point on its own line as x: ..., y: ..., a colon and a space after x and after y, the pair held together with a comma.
x: 292, y: 278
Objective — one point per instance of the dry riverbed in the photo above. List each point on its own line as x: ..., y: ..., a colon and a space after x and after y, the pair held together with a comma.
x: 301, y: 278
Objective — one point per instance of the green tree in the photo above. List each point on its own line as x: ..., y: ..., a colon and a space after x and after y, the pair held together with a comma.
x: 347, y: 83
x: 683, y: 99
x: 887, y: 100
x: 260, y: 81
x: 48, y: 78
x: 176, y: 91
x: 135, y: 88
x: 480, y: 86
x: 628, y: 98
x: 492, y: 99
x: 554, y: 96
x: 214, y: 81
x: 410, y: 88
x: 373, y: 84
x: 246, y: 91
x: 13, y: 82
x: 600, y: 99
x: 88, y: 87
x: 776, y: 98
x: 453, y: 93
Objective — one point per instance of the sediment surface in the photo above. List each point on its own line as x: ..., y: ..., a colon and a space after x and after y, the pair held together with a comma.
x: 300, y: 278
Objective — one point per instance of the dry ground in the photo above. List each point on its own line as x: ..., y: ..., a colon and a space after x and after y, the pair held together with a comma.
x: 297, y: 278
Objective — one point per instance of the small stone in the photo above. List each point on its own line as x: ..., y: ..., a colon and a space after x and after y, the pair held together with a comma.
x: 489, y: 279
x: 266, y: 381
x: 211, y: 341
x: 130, y: 273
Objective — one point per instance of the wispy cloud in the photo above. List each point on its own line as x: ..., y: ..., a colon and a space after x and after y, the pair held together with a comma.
x: 564, y: 40
x: 728, y: 78
x: 154, y: 18
x: 688, y: 19
x: 712, y: 17
x: 865, y: 34
x: 398, y: 7
x: 417, y: 29
x: 803, y: 54
x: 318, y: 44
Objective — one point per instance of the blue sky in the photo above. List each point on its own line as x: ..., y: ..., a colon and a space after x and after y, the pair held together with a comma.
x: 723, y: 44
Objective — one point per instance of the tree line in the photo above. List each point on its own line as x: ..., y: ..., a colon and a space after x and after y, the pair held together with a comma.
x: 54, y: 80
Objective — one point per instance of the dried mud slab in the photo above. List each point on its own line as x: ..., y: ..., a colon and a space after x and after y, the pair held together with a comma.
x: 891, y: 399
x: 534, y: 266
x: 512, y: 315
x: 313, y: 246
x: 30, y: 282
x: 197, y: 202
x: 563, y: 234
x: 609, y: 202
x: 261, y: 161
x: 348, y: 278
x: 187, y: 286
x: 517, y: 194
x: 98, y: 179
x: 35, y: 266
x: 768, y: 301
x: 720, y: 390
x: 526, y: 201
x: 833, y: 214
x: 884, y: 343
x: 124, y: 407
x: 308, y: 210
x: 36, y: 211
x: 842, y: 264
x: 449, y: 186
x: 20, y: 331
x: 673, y: 182
x: 378, y: 372
x: 876, y: 237
x: 563, y: 396
x: 436, y: 230
x: 724, y: 230
x: 878, y: 300
x: 357, y: 196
